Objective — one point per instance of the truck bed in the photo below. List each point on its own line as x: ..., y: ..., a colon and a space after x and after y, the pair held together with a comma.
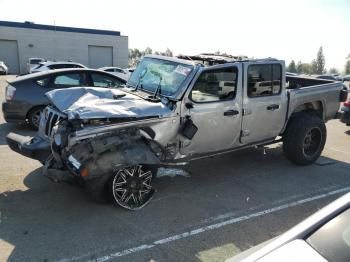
x: 294, y: 82
x: 323, y: 93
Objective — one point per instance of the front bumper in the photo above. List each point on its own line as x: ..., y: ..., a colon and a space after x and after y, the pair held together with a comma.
x: 33, y: 147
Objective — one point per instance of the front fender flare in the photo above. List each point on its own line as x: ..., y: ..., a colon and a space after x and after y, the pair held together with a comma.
x: 126, y: 154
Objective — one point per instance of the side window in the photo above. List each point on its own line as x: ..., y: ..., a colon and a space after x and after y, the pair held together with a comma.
x: 215, y: 85
x: 102, y: 80
x: 110, y: 70
x: 68, y: 80
x: 264, y: 80
x: 43, y: 82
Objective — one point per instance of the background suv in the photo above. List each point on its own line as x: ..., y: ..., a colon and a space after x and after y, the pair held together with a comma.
x: 55, y: 65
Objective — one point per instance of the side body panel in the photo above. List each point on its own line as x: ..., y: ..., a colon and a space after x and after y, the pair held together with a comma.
x: 216, y: 129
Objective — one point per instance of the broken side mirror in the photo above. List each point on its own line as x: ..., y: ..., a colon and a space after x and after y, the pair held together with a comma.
x: 189, y: 129
x: 188, y: 105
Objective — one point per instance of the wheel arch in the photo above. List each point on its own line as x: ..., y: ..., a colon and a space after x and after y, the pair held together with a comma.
x: 130, y: 153
x: 313, y: 108
x: 33, y: 108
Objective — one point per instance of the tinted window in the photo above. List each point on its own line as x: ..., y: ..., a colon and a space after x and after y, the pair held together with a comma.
x: 68, y: 80
x: 35, y: 61
x: 43, y: 81
x: 109, y: 70
x: 332, y: 240
x: 215, y: 85
x: 264, y: 80
x: 60, y: 66
x: 102, y: 80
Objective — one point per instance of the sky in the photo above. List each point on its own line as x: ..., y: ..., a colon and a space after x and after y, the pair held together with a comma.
x: 293, y: 29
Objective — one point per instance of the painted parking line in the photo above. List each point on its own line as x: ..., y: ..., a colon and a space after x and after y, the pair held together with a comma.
x: 200, y: 230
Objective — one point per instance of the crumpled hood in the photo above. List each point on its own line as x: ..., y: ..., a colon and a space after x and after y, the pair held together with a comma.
x: 95, y: 102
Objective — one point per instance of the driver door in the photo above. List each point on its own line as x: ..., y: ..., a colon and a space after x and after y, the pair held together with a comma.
x: 214, y: 104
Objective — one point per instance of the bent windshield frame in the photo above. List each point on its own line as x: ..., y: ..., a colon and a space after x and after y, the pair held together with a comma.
x: 152, y: 73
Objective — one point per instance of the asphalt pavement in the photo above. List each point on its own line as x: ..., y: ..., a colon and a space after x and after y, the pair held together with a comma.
x: 226, y: 205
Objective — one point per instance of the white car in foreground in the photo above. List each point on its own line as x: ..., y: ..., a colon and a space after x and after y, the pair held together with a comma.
x: 55, y: 65
x: 324, y: 236
x: 119, y: 72
x: 3, y: 68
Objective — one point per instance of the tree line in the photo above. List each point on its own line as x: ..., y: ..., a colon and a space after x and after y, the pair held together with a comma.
x: 317, y: 66
x: 135, y: 54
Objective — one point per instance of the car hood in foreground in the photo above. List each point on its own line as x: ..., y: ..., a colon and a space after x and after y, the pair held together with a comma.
x: 95, y: 103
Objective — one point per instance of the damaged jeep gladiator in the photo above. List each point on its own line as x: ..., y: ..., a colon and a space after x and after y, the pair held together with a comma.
x: 172, y: 111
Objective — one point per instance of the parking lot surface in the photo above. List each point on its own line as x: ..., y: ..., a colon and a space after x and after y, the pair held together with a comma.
x: 226, y: 205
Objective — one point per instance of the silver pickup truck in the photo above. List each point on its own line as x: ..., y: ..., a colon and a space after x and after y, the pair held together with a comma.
x: 173, y: 111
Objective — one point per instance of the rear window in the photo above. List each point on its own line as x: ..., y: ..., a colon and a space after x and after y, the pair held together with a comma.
x: 264, y: 80
x: 68, y: 80
x: 35, y: 61
x: 332, y: 240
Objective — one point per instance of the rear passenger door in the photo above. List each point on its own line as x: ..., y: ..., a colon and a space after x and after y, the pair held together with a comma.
x: 264, y: 103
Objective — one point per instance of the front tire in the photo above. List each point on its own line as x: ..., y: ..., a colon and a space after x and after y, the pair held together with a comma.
x: 34, y: 117
x: 131, y: 186
x: 304, y: 139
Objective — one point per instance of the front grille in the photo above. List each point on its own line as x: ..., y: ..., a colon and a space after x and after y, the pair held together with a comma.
x: 51, y: 117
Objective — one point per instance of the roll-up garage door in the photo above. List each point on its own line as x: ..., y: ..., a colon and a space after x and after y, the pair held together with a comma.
x: 9, y: 54
x: 100, y: 56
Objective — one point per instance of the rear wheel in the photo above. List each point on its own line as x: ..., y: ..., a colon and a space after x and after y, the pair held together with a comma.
x: 34, y: 117
x: 304, y: 139
x: 132, y: 186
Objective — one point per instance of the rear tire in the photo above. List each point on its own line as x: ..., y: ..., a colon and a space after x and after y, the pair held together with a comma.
x: 304, y: 139
x: 34, y: 117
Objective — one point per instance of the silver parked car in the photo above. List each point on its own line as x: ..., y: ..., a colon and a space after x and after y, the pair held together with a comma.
x: 122, y: 73
x: 173, y: 111
x: 49, y: 65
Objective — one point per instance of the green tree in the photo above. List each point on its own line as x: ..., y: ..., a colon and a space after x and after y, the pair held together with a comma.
x: 304, y: 68
x: 168, y: 52
x: 148, y: 51
x: 299, y: 69
x: 347, y: 65
x: 292, y: 67
x: 314, y: 66
x: 320, y: 62
x: 333, y: 70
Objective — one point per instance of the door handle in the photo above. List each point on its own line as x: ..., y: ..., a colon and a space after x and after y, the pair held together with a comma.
x: 231, y: 113
x: 273, y: 107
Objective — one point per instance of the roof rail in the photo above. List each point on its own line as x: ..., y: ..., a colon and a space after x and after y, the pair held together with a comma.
x: 209, y: 59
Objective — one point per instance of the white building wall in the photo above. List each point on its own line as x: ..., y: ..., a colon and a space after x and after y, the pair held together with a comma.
x: 58, y: 45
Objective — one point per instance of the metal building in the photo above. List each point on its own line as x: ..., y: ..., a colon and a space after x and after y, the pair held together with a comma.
x: 91, y: 47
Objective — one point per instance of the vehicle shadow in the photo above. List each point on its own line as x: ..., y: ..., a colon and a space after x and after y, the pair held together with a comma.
x: 51, y: 221
x: 22, y: 129
x: 347, y: 132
